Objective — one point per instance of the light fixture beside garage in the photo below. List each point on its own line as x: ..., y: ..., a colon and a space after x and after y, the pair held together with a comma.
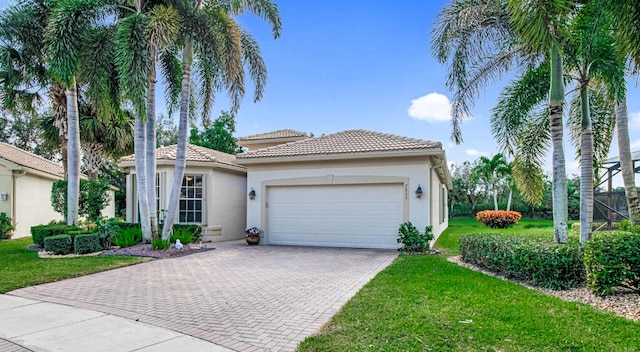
x: 252, y: 194
x: 419, y: 192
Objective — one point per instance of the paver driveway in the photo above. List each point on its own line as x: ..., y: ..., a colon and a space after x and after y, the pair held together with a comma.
x: 244, y: 298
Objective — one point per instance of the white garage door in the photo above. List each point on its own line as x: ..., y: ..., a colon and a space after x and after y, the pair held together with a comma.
x: 358, y: 216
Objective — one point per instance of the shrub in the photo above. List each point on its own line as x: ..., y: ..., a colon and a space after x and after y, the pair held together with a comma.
x: 498, y: 218
x: 128, y: 225
x: 128, y: 237
x: 625, y: 225
x: 160, y: 244
x: 39, y: 233
x: 107, y: 231
x: 412, y: 240
x: 196, y: 230
x: 93, y: 197
x: 185, y: 236
x: 6, y: 226
x: 541, y: 262
x: 84, y: 244
x: 612, y: 259
x: 58, y: 244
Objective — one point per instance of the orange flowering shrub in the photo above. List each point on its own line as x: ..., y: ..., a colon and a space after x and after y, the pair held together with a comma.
x: 500, y: 218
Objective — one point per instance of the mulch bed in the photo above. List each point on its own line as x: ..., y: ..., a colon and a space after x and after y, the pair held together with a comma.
x: 139, y: 250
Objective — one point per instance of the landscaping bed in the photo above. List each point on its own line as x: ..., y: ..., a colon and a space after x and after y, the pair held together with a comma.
x: 145, y: 250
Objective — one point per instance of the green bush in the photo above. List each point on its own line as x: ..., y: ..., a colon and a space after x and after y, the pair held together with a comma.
x: 40, y: 232
x: 196, y: 230
x: 6, y: 226
x: 625, y: 225
x: 58, y: 244
x: 412, y: 240
x: 94, y: 196
x: 541, y: 262
x: 184, y: 235
x: 128, y: 225
x: 84, y: 244
x: 160, y: 244
x: 128, y: 237
x: 612, y: 259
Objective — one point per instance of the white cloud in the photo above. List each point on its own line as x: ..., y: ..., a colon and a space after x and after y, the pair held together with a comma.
x: 434, y: 107
x: 634, y: 120
x: 475, y: 152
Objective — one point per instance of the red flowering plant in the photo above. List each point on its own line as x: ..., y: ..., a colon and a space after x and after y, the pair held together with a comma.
x: 498, y: 218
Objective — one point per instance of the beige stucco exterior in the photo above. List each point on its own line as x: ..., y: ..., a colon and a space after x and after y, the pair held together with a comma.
x: 224, y: 197
x: 410, y: 171
x: 28, y: 200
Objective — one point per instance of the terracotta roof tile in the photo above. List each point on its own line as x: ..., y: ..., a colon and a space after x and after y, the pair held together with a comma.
x: 286, y: 133
x: 30, y: 160
x: 194, y: 153
x: 353, y: 141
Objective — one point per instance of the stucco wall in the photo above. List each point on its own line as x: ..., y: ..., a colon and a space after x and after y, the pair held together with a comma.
x: 437, y: 214
x: 32, y: 203
x: 6, y: 185
x: 416, y: 169
x: 225, y: 200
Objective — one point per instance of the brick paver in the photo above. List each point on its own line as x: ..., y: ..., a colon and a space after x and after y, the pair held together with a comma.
x: 246, y: 298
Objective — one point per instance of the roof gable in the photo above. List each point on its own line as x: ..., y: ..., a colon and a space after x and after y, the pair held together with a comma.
x: 26, y: 159
x: 346, y: 142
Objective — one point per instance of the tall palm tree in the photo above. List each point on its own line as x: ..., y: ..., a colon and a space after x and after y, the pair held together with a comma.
x: 221, y: 49
x: 481, y: 40
x: 492, y: 171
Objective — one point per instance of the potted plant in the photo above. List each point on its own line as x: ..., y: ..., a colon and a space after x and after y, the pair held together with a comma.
x: 253, y: 235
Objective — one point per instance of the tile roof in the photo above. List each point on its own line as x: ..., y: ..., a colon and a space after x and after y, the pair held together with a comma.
x: 194, y: 153
x: 30, y: 160
x: 286, y: 133
x: 347, y: 142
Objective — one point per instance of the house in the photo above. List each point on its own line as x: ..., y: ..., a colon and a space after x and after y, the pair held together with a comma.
x: 348, y: 189
x: 213, y: 194
x: 271, y: 139
x: 25, y: 189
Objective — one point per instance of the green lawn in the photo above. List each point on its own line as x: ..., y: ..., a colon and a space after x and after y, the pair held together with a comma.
x: 20, y: 267
x: 423, y: 303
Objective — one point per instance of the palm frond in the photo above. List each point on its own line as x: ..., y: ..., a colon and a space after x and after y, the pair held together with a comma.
x: 255, y: 62
x: 163, y: 28
x: 265, y: 9
x: 533, y: 144
x: 171, y: 70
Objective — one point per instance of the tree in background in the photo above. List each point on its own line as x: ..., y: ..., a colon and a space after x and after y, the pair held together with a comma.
x: 166, y: 131
x: 492, y: 172
x: 464, y: 187
x: 218, y: 136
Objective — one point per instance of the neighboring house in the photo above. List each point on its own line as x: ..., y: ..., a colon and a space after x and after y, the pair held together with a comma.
x: 25, y: 189
x: 271, y: 139
x: 348, y: 189
x: 213, y: 194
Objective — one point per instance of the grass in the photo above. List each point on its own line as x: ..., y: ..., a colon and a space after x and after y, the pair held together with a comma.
x: 423, y: 303
x: 20, y: 267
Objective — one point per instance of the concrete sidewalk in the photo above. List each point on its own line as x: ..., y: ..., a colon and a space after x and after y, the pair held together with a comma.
x: 29, y: 325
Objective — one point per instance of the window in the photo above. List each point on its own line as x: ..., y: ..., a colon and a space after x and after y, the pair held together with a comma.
x: 191, y: 199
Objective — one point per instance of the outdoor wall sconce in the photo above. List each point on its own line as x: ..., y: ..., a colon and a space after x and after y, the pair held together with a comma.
x: 4, y: 196
x: 252, y: 194
x: 419, y: 192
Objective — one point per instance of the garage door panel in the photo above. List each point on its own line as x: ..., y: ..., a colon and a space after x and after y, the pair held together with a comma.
x: 365, y: 216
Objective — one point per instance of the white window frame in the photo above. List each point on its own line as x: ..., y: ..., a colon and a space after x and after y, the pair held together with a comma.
x: 186, y: 196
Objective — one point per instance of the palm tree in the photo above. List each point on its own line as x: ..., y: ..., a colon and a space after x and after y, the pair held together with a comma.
x: 481, y: 40
x: 492, y: 171
x: 221, y: 49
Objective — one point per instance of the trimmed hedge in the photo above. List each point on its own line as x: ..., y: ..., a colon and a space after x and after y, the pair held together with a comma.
x: 541, y: 262
x: 59, y: 244
x: 612, y: 259
x: 498, y: 218
x: 128, y: 225
x: 625, y: 225
x: 84, y: 244
x: 40, y: 232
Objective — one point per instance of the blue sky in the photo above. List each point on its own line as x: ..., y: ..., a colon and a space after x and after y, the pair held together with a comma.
x: 360, y: 65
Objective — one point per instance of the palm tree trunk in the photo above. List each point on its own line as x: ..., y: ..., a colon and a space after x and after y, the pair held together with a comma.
x: 495, y: 197
x: 151, y: 149
x: 586, y: 167
x: 59, y: 100
x: 73, y: 187
x: 510, y: 197
x: 93, y: 159
x: 559, y: 178
x: 181, y: 161
x: 139, y: 147
x: 626, y: 164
